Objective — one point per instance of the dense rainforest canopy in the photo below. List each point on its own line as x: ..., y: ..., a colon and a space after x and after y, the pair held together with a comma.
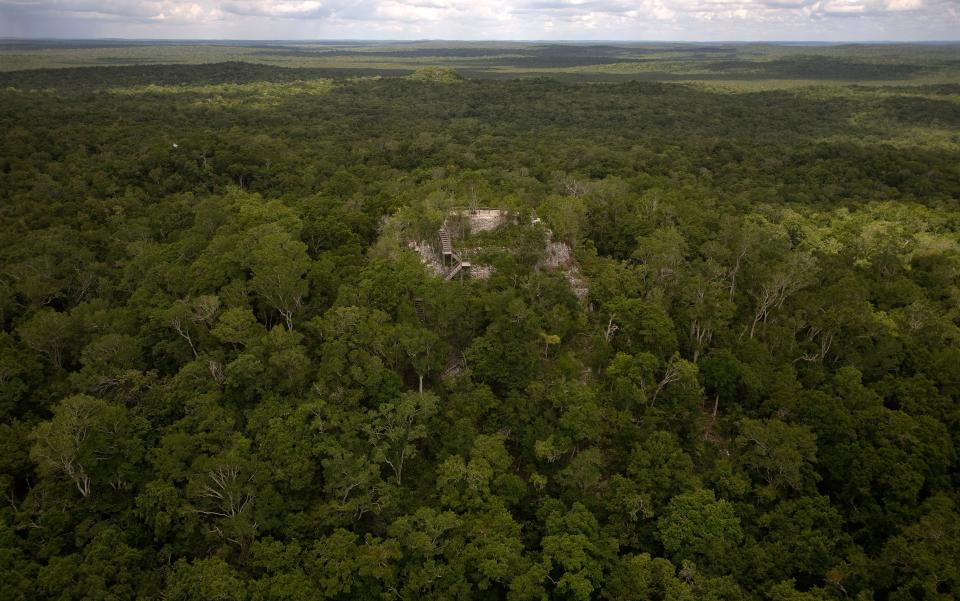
x: 214, y: 337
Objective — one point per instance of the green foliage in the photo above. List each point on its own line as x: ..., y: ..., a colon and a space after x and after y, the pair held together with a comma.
x: 203, y: 579
x: 778, y: 453
x: 89, y: 443
x: 229, y: 371
x: 436, y: 75
x: 697, y: 526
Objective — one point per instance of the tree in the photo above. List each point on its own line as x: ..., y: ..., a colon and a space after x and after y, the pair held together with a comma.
x: 923, y: 558
x: 238, y: 327
x: 801, y: 538
x: 422, y: 348
x: 505, y: 356
x: 566, y: 216
x: 15, y: 373
x: 468, y: 483
x: 705, y: 305
x: 661, y: 469
x: 781, y: 281
x: 89, y: 442
x: 50, y: 333
x: 727, y: 378
x: 697, y: 526
x: 211, y: 579
x: 782, y: 454
x: 632, y: 379
x: 279, y: 263
x: 107, y: 566
x: 396, y: 427
x: 223, y: 489
x: 663, y: 254
x: 743, y: 241
x: 576, y: 551
x: 638, y: 325
x: 640, y: 577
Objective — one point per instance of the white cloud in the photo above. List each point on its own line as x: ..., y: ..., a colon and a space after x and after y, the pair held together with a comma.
x: 904, y: 4
x: 281, y: 9
x: 481, y: 19
x: 843, y: 6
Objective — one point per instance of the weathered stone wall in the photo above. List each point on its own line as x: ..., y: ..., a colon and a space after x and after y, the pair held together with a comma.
x: 485, y: 220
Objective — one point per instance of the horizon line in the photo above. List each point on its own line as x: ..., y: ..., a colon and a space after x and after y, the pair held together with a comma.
x: 486, y: 40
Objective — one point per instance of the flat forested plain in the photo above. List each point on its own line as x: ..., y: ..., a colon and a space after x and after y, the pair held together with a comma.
x: 224, y: 375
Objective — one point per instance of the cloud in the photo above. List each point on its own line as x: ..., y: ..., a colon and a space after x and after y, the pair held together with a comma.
x: 789, y: 4
x: 110, y: 10
x: 286, y: 10
x: 904, y: 4
x: 487, y: 19
x: 843, y: 7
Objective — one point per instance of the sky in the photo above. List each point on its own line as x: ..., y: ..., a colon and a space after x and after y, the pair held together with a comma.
x: 679, y: 20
